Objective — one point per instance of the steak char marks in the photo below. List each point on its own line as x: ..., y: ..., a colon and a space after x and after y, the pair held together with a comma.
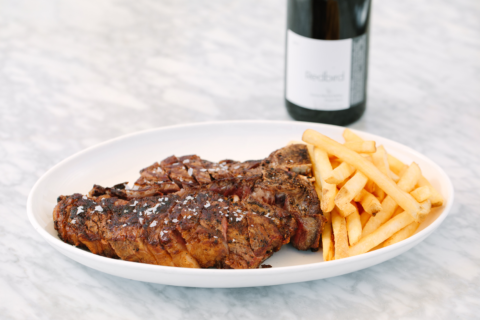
x: 189, y: 212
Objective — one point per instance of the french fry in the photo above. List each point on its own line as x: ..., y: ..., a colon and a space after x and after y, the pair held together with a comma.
x: 381, y: 234
x: 402, y: 234
x: 361, y: 146
x: 328, y: 197
x: 394, y: 176
x: 388, y: 208
x: 318, y: 183
x: 399, y: 167
x: 364, y: 216
x: 379, y: 193
x: 346, y: 211
x: 353, y: 186
x: 354, y: 227
x: 425, y: 208
x: 368, y: 201
x: 331, y: 253
x: 370, y: 186
x: 396, y: 166
x: 311, y: 154
x: 367, y: 157
x: 340, y: 173
x: 380, y: 246
x: 402, y: 172
x: 397, y: 211
x: 381, y: 162
x: 407, y: 183
x: 328, y: 216
x: 327, y: 242
x: 421, y: 193
x: 436, y: 198
x: 368, y: 169
x: 341, y: 184
x: 410, y: 178
x: 348, y: 135
x: 339, y: 227
x: 323, y: 169
x: 335, y: 163
x: 318, y: 189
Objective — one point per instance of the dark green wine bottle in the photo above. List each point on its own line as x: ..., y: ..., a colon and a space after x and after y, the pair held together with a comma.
x: 326, y: 60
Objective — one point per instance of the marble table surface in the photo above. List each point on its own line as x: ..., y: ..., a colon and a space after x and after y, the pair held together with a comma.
x: 76, y: 73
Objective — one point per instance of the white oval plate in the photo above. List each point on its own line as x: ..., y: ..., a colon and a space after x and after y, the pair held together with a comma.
x: 120, y: 160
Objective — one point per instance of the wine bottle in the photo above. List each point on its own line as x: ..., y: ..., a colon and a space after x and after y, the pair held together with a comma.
x: 326, y: 60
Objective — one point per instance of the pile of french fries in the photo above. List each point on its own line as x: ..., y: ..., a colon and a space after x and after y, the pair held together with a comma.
x: 370, y: 198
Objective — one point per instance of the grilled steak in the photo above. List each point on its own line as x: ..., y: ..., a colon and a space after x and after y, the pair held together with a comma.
x: 292, y: 158
x: 296, y: 195
x: 81, y: 221
x: 189, y: 212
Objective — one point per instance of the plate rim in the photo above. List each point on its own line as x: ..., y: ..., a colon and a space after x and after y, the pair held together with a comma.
x: 277, y: 270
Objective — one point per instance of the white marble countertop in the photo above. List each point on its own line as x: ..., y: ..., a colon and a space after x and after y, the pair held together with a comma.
x: 76, y: 73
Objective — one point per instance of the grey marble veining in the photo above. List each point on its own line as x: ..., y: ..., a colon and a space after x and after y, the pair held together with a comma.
x: 76, y: 73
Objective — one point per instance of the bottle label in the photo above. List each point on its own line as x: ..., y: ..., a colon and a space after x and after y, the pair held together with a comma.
x: 325, y: 74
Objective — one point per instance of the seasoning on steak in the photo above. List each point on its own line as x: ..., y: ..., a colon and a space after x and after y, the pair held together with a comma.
x: 81, y: 221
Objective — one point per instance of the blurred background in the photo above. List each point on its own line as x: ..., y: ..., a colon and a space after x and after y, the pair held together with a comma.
x: 76, y: 73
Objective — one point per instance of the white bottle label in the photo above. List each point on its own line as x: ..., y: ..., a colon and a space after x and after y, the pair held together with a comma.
x: 319, y: 72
